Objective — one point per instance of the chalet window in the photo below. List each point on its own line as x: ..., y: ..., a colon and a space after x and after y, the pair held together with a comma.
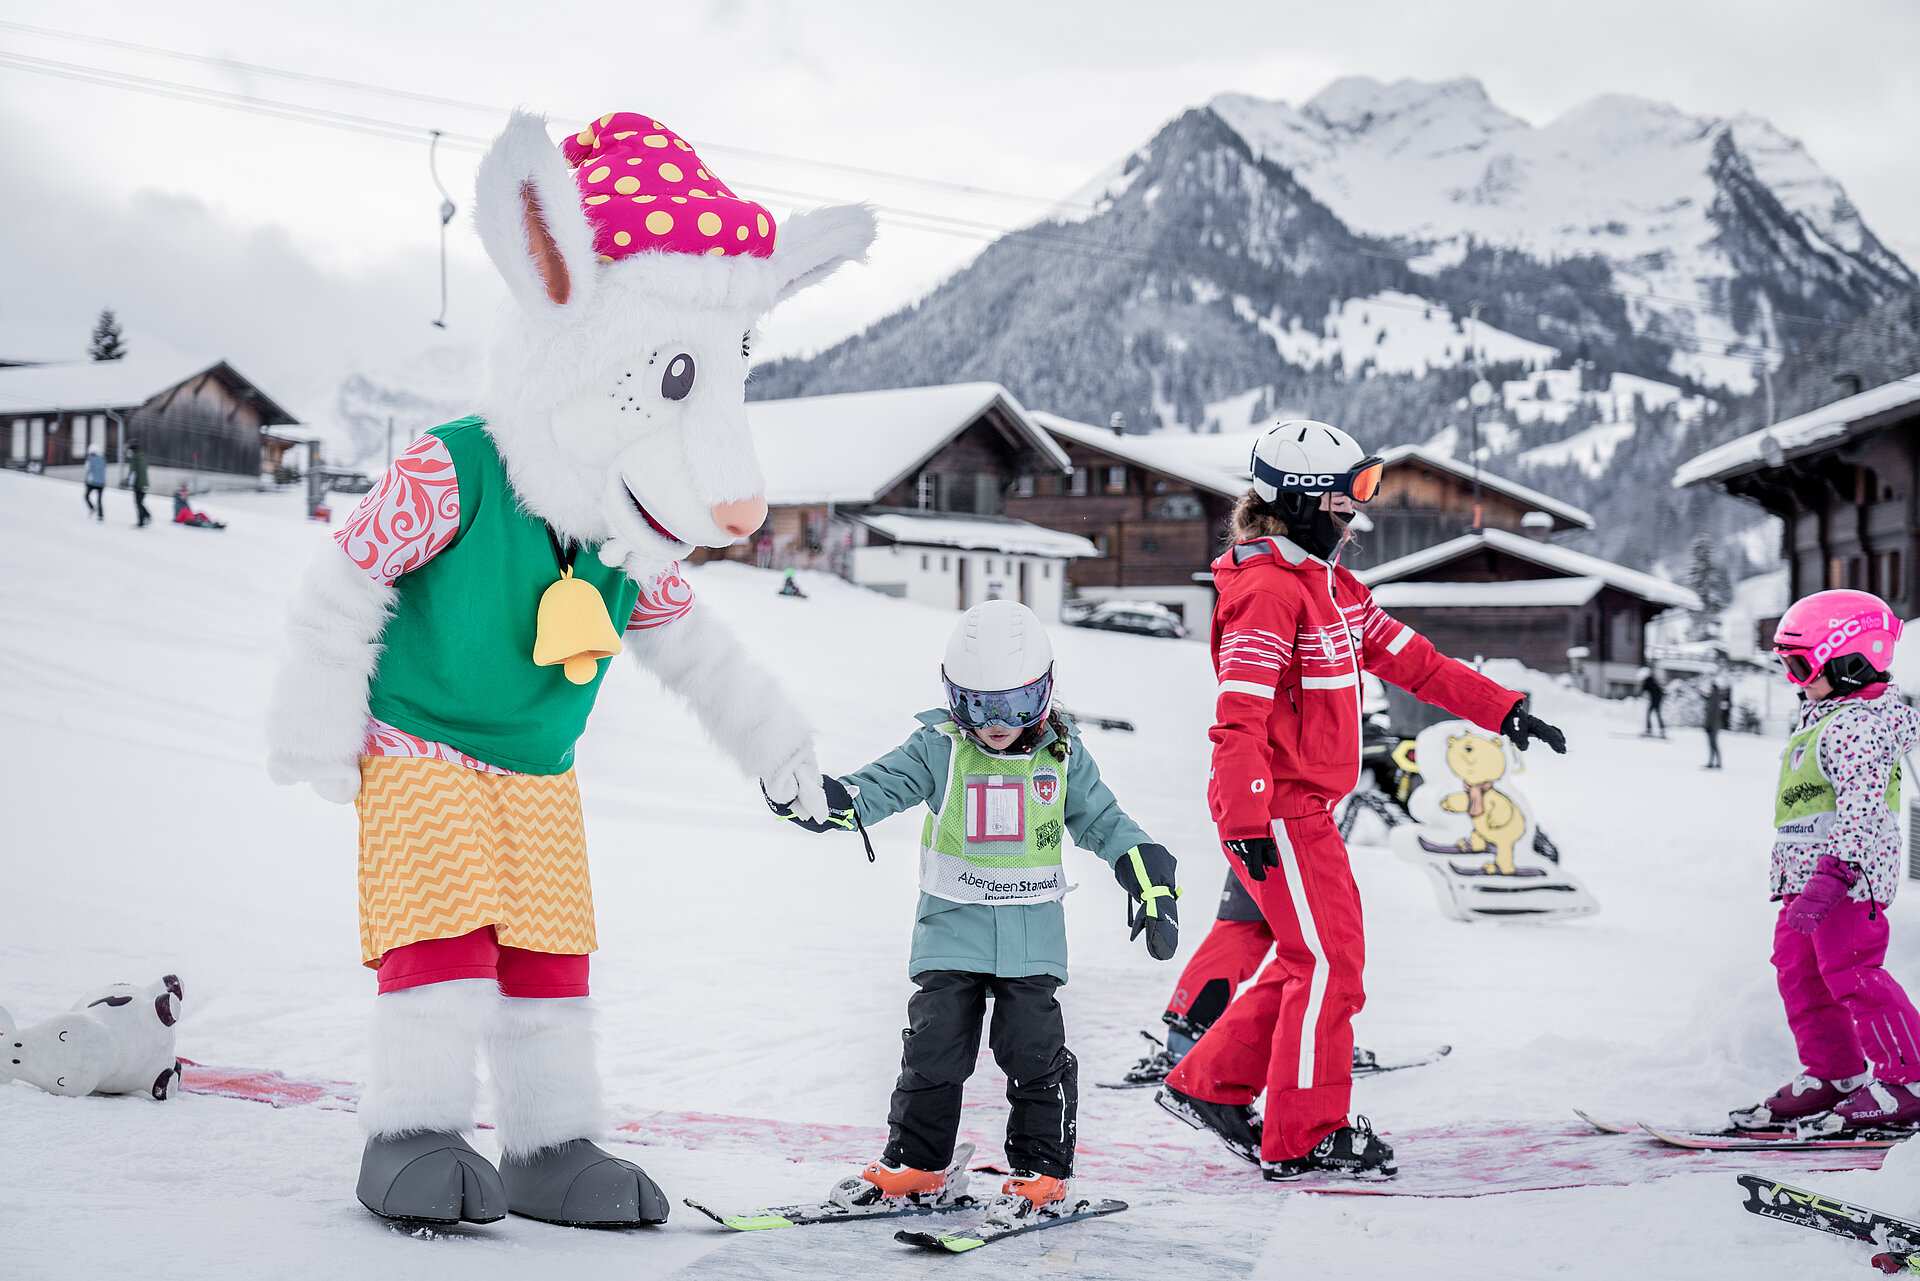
x: 1100, y: 543
x: 1177, y: 507
x: 946, y: 491
x: 1077, y: 485
x: 1887, y: 581
x: 18, y: 452
x: 1023, y: 487
x: 1116, y: 480
x: 923, y: 562
x: 1159, y: 486
x: 1857, y: 573
x: 1046, y: 569
x: 986, y: 494
x: 943, y: 564
x: 923, y: 491
x: 1151, y: 546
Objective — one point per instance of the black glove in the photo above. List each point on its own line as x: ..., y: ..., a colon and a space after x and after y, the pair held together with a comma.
x: 1258, y: 852
x: 1522, y: 727
x: 840, y: 816
x: 1146, y: 872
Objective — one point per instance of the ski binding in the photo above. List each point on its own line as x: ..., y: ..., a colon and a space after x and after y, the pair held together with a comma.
x: 972, y: 1238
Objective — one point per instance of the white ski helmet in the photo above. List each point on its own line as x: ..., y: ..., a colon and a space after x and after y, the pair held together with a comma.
x: 999, y: 647
x: 1298, y: 455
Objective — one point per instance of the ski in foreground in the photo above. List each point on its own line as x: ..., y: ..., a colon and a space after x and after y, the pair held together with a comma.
x: 972, y: 1238
x: 853, y: 1205
x: 1771, y: 1139
x: 1898, y: 1239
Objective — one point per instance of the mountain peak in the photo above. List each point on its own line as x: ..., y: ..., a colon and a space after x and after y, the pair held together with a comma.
x: 1355, y: 104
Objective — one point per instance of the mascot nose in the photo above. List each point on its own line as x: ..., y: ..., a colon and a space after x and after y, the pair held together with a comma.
x: 740, y: 518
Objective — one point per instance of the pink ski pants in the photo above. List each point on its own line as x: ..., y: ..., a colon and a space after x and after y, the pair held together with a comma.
x: 1845, y: 1009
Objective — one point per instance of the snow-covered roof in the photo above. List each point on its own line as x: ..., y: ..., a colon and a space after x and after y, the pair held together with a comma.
x: 1526, y: 591
x: 126, y: 383
x: 1561, y: 560
x: 855, y: 446
x: 981, y: 533
x: 1796, y: 436
x: 1214, y: 462
x: 1532, y: 499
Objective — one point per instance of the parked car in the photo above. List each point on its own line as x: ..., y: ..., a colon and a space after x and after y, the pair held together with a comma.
x: 1143, y: 618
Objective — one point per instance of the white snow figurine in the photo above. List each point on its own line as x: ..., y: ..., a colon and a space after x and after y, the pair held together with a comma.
x: 444, y: 656
x: 116, y: 1040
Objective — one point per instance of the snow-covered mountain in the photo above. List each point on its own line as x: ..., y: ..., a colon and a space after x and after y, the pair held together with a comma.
x: 1710, y: 225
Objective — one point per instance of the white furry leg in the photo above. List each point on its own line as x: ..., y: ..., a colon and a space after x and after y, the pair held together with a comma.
x: 546, y: 1080
x: 422, y: 1050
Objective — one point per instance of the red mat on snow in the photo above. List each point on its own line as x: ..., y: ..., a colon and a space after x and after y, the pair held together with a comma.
x: 1444, y: 1161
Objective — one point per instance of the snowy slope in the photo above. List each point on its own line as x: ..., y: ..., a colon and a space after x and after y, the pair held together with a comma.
x: 750, y: 970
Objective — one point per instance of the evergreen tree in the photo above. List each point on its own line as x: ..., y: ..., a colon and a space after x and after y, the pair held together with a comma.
x: 1711, y: 583
x: 105, y: 342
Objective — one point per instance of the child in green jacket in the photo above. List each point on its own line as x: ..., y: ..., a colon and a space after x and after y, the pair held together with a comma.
x: 1003, y: 776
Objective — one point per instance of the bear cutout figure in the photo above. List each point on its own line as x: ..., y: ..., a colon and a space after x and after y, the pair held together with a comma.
x: 115, y: 1040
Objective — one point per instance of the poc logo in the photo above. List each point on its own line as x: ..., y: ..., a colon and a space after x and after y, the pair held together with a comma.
x: 1305, y: 480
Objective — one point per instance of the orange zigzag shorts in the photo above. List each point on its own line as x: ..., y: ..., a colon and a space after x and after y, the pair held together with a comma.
x: 446, y: 850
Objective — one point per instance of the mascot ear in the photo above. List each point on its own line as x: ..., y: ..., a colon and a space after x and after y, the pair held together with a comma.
x: 527, y: 210
x: 814, y: 244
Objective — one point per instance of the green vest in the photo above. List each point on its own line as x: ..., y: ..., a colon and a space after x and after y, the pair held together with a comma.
x: 1803, y: 812
x: 994, y: 836
x: 456, y: 664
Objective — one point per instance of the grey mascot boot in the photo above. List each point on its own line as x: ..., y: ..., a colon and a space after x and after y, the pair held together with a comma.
x: 578, y: 1185
x: 421, y: 1088
x: 547, y: 1107
x: 430, y: 1178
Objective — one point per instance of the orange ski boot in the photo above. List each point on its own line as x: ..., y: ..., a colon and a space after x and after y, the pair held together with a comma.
x: 1024, y: 1197
x: 884, y: 1181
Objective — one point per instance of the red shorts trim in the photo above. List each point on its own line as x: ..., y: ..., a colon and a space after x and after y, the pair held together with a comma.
x: 479, y: 955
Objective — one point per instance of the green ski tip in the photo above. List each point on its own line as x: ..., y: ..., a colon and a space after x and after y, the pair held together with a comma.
x: 756, y: 1222
x: 956, y: 1244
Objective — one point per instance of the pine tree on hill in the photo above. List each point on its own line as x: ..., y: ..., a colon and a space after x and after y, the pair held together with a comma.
x: 1711, y: 583
x: 105, y: 344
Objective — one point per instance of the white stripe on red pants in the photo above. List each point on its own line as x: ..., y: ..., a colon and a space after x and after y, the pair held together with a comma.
x: 1291, y: 1033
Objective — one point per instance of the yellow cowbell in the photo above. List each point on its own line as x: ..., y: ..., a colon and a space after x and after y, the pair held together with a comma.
x: 574, y: 630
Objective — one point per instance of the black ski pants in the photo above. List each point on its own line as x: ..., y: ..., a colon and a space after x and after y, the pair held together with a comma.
x: 1028, y: 1036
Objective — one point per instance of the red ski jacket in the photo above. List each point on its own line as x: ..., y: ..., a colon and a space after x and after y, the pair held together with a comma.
x: 1291, y: 635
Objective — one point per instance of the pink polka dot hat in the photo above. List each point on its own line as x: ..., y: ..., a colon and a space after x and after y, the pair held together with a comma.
x: 643, y: 188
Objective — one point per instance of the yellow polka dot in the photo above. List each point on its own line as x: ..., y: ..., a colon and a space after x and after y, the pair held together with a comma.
x: 605, y: 258
x: 599, y: 174
x: 701, y: 173
x: 644, y: 200
x: 622, y: 238
x: 760, y: 221
x: 659, y: 222
x: 740, y: 233
x: 628, y: 134
x: 679, y: 200
x: 671, y: 172
x: 655, y: 140
x: 709, y: 224
x: 604, y: 120
x: 627, y: 185
x: 635, y: 160
x: 698, y: 194
x: 598, y: 200
x: 714, y: 251
x: 584, y: 137
x: 683, y: 144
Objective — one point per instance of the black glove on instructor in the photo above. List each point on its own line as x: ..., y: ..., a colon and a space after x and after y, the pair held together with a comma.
x: 1522, y: 727
x: 1258, y: 852
x: 1147, y: 872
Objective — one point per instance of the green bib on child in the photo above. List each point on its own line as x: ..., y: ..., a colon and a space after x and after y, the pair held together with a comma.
x: 1804, y: 811
x: 994, y: 836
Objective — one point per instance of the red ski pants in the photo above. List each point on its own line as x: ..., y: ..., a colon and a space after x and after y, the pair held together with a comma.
x: 1228, y: 955
x: 1291, y: 1033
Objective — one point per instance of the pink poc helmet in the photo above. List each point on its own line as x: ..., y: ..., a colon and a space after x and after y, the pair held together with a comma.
x: 1846, y: 636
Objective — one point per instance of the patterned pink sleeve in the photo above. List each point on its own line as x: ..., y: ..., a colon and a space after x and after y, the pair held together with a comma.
x: 663, y: 598
x: 409, y: 517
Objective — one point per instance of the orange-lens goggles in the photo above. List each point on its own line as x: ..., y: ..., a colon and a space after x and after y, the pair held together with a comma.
x: 1365, y: 482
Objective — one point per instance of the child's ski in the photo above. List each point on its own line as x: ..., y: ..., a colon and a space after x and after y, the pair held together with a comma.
x: 1898, y: 1238
x: 1775, y: 1132
x: 795, y: 1216
x: 987, y: 1233
x: 1783, y: 1141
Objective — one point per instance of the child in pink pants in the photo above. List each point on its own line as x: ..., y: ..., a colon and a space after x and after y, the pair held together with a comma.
x: 1836, y: 866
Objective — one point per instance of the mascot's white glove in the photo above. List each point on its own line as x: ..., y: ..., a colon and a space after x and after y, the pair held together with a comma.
x: 796, y: 782
x: 738, y: 703
x: 317, y: 720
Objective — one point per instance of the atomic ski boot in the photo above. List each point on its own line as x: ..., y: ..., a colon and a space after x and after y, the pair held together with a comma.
x: 1352, y: 1149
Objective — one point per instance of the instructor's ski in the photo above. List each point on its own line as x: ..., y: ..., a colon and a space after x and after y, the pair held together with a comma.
x: 972, y: 1238
x: 1153, y: 1069
x: 1899, y: 1238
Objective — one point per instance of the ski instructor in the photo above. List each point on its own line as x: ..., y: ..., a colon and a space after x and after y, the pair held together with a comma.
x: 1292, y: 633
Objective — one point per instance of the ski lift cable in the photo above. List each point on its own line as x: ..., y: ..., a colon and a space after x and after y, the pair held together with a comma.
x: 471, y: 143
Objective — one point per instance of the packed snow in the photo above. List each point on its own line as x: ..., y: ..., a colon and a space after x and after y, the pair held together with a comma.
x: 751, y: 971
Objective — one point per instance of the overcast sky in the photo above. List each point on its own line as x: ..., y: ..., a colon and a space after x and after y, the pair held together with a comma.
x: 300, y: 251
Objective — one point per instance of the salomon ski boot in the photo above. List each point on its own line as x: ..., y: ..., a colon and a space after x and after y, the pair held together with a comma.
x: 1798, y: 1099
x: 1875, y: 1105
x: 1235, y: 1124
x: 1352, y: 1150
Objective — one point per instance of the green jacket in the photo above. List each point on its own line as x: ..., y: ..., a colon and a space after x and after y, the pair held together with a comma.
x: 138, y: 461
x: 1008, y: 941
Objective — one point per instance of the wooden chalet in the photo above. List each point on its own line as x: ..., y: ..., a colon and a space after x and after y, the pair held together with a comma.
x: 1498, y: 594
x: 906, y: 491
x: 193, y: 416
x: 1845, y: 482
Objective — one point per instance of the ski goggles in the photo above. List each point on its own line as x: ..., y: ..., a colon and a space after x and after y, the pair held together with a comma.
x: 1360, y: 482
x: 1012, y: 708
x: 1800, y: 668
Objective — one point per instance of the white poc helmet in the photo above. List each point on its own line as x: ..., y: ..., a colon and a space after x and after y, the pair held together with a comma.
x: 1298, y: 455
x: 999, y: 648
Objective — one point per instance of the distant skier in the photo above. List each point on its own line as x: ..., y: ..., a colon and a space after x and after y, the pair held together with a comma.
x: 184, y: 514
x: 1836, y: 868
x: 1292, y: 633
x: 1655, y: 695
x: 137, y: 477
x: 1003, y: 776
x: 1714, y: 716
x: 95, y: 478
x: 790, y: 586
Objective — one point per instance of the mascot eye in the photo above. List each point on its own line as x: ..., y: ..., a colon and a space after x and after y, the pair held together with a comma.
x: 746, y: 345
x: 678, y: 380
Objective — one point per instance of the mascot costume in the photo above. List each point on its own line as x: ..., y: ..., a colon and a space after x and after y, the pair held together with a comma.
x: 444, y: 655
